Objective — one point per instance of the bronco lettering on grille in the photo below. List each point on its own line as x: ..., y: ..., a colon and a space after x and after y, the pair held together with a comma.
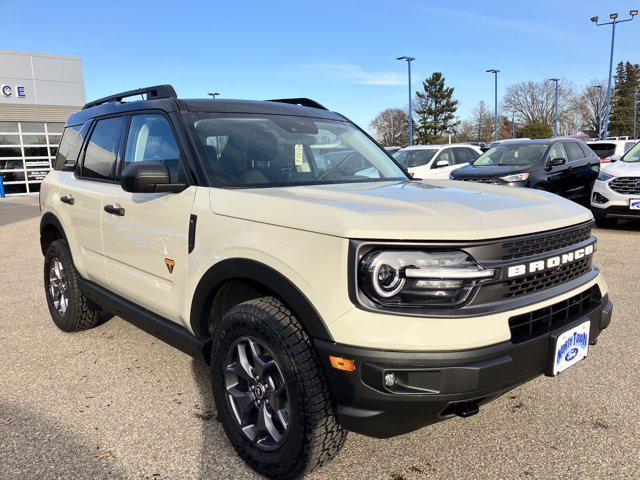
x: 551, y: 262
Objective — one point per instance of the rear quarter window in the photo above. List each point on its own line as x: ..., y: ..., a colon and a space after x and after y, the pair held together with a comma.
x: 574, y: 151
x: 70, y: 144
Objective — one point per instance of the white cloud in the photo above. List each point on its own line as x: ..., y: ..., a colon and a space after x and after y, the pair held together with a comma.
x: 356, y: 74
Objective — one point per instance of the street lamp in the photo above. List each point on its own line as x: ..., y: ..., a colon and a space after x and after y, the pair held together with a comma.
x: 213, y: 95
x: 599, y: 111
x: 613, y: 22
x: 495, y: 115
x: 513, y: 125
x: 555, y: 122
x: 409, y: 60
x: 635, y: 113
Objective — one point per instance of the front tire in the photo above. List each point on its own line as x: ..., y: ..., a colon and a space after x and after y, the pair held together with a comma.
x: 285, y: 426
x: 70, y: 310
x: 602, y: 220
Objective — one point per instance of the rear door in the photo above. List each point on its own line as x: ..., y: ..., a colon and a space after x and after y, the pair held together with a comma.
x: 81, y: 196
x: 580, y: 168
x: 146, y: 242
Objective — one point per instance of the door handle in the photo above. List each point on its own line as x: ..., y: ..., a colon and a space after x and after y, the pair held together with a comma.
x: 114, y: 210
x: 68, y: 199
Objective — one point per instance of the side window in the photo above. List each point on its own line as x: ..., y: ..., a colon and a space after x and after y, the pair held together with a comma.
x: 557, y: 151
x: 100, y: 156
x: 574, y: 151
x: 70, y: 144
x: 586, y: 150
x: 151, y: 139
x: 464, y: 155
x: 446, y: 155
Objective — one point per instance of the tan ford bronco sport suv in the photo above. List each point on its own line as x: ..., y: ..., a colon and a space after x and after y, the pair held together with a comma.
x: 327, y: 289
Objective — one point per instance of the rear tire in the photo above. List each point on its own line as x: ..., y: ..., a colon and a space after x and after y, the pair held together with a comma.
x: 70, y: 310
x: 310, y: 436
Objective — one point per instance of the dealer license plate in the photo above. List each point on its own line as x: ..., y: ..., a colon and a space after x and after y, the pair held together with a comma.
x: 571, y: 347
x: 634, y: 204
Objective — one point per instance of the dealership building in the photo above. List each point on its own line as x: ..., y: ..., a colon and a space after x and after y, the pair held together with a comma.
x: 38, y: 92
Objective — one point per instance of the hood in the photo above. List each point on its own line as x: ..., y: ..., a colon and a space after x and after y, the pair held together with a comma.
x: 490, y: 171
x: 623, y: 169
x: 429, y: 210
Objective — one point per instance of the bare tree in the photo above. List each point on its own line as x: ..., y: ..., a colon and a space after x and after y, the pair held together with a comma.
x: 591, y: 107
x: 534, y: 102
x: 391, y: 127
x: 482, y: 122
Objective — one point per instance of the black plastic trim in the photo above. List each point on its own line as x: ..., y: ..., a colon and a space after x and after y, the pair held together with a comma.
x: 155, y: 92
x: 50, y: 219
x: 251, y: 270
x: 161, y: 328
x: 193, y: 220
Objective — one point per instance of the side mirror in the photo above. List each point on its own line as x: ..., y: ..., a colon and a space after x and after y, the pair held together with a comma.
x: 441, y: 163
x: 556, y: 162
x: 148, y: 177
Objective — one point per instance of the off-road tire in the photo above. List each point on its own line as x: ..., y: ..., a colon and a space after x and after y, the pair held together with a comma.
x: 81, y: 313
x: 315, y: 436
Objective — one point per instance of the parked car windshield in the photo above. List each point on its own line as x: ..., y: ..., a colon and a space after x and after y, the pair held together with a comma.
x: 527, y: 154
x: 415, y: 158
x: 277, y: 150
x: 633, y: 155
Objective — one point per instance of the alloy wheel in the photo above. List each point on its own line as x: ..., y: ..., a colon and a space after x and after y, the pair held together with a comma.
x: 257, y: 393
x: 58, y: 290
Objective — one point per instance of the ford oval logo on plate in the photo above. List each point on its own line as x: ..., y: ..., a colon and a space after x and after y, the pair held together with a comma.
x: 571, y: 355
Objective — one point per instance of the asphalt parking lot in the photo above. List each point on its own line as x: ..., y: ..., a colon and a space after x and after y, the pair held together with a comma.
x: 114, y: 403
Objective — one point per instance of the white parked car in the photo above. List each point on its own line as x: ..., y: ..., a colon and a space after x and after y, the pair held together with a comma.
x: 616, y: 192
x: 436, y: 161
x: 611, y: 150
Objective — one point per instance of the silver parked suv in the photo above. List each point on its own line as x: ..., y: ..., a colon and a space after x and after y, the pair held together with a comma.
x: 326, y: 296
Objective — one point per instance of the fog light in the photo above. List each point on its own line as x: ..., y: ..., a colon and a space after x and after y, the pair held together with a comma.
x: 390, y: 379
x: 598, y: 198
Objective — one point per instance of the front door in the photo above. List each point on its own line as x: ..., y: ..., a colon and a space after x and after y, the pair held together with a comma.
x: 443, y: 172
x: 145, y: 235
x: 559, y: 176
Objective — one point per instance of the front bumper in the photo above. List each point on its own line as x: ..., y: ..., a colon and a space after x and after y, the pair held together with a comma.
x: 617, y: 204
x: 433, y: 386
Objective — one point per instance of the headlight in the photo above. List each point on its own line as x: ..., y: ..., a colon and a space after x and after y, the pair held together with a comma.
x: 603, y: 177
x: 518, y: 177
x: 417, y: 278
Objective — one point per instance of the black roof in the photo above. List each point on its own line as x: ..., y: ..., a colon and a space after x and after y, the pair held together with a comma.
x: 162, y: 97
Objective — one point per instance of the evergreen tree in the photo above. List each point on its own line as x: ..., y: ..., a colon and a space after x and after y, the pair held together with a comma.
x: 627, y: 80
x: 435, y: 109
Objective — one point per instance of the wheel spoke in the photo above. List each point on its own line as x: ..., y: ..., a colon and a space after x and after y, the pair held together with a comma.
x: 243, y: 366
x: 259, y: 364
x: 243, y: 402
x: 265, y: 424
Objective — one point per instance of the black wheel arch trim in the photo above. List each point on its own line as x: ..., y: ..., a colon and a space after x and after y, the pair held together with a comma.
x: 252, y: 270
x: 49, y: 219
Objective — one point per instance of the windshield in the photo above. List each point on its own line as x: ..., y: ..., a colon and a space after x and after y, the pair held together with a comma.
x: 633, y: 155
x: 527, y: 154
x: 278, y: 150
x: 414, y: 158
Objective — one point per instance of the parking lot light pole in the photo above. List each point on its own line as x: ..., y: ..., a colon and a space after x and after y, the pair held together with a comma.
x: 599, y: 111
x: 635, y: 113
x: 409, y: 60
x: 213, y: 95
x: 555, y: 121
x: 495, y: 115
x: 613, y: 22
x: 513, y: 125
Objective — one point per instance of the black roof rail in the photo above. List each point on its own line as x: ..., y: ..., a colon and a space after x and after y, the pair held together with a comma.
x: 157, y: 91
x: 304, y: 102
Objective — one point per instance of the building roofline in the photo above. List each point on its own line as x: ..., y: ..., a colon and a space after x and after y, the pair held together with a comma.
x: 42, y: 55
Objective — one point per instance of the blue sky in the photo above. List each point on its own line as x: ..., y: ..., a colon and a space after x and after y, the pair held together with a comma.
x: 341, y: 53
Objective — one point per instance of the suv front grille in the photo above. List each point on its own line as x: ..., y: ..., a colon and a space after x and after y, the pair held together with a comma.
x: 546, y: 319
x: 626, y: 185
x: 541, y: 281
x: 491, y: 181
x: 544, y: 244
